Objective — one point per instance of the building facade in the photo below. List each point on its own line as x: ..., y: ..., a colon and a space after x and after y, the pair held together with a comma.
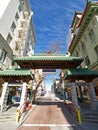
x: 17, y: 35
x: 16, y: 30
x: 84, y: 40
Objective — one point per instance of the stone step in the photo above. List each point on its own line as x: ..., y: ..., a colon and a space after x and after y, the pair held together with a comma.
x: 90, y: 120
x: 90, y: 117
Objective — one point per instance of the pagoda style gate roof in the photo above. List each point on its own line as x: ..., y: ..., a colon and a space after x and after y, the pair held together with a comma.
x: 69, y: 63
x: 85, y: 74
x: 14, y: 74
x: 48, y: 61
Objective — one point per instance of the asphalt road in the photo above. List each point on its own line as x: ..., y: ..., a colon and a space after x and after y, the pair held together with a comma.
x: 49, y: 114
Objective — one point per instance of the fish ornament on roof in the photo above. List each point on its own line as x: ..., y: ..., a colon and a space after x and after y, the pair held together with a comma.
x: 68, y: 54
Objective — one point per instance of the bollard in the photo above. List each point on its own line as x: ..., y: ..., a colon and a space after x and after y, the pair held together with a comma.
x: 79, y: 115
x: 17, y: 115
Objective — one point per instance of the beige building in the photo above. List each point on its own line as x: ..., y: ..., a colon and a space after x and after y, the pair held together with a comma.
x: 84, y: 39
x: 16, y: 30
x: 17, y: 36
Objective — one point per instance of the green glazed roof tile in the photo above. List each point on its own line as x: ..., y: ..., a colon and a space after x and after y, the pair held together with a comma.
x: 16, y: 72
x: 48, y: 57
x: 80, y: 72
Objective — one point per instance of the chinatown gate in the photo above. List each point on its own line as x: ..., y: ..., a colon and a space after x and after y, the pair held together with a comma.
x: 70, y: 73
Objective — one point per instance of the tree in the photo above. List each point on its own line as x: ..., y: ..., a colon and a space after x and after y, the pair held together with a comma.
x: 54, y: 47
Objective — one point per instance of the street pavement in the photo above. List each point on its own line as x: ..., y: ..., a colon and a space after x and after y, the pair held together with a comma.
x: 49, y: 113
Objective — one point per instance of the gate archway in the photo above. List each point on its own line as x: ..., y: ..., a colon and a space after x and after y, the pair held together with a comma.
x: 52, y: 62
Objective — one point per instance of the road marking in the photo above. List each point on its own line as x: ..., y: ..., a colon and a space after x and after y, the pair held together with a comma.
x: 49, y: 125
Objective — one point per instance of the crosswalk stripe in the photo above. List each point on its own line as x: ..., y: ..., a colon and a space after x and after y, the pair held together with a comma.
x: 49, y: 125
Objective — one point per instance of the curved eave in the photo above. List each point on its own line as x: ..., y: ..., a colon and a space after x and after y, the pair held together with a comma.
x: 93, y: 9
x: 75, y: 15
x: 16, y: 74
x: 80, y: 74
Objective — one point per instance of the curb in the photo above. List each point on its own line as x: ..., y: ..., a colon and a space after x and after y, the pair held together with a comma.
x: 26, y: 116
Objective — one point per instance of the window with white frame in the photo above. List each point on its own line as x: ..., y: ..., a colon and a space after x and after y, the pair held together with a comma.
x: 13, y: 27
x: 16, y: 17
x: 9, y: 38
x: 3, y: 54
x: 19, y: 8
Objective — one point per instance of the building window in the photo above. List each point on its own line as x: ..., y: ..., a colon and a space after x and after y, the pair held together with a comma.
x: 19, y: 8
x: 13, y: 27
x: 16, y: 17
x: 9, y: 38
x: 87, y: 61
x: 83, y: 48
x: 3, y: 54
x: 92, y: 36
x: 96, y: 50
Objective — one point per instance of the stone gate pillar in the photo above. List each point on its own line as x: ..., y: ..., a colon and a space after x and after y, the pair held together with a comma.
x: 74, y: 97
x: 92, y: 97
x: 23, y: 94
x: 4, y: 96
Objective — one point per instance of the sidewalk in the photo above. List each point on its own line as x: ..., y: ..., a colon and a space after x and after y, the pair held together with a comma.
x: 8, y: 119
x: 84, y: 125
x: 89, y: 126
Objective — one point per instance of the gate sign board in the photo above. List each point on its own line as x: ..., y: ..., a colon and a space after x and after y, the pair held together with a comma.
x: 49, y: 71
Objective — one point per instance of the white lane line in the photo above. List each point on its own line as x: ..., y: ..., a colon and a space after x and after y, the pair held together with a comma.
x: 49, y: 125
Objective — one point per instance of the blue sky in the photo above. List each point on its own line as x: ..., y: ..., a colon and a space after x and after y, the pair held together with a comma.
x: 52, y: 19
